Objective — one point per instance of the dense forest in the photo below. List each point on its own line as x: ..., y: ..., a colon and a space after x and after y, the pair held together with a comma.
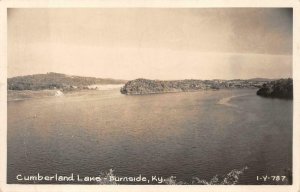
x: 55, y: 81
x: 146, y: 86
x: 282, y: 88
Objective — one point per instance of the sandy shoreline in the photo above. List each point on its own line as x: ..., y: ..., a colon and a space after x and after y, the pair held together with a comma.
x: 13, y: 95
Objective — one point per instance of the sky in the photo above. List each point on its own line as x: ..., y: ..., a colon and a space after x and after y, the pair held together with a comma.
x: 154, y: 43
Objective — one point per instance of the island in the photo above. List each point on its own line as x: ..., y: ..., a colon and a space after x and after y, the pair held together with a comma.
x: 282, y: 88
x: 145, y: 86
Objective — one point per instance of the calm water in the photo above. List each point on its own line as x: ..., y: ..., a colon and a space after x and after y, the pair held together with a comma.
x: 179, y: 134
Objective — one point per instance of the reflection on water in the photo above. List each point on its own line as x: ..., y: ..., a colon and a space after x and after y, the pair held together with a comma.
x: 179, y: 134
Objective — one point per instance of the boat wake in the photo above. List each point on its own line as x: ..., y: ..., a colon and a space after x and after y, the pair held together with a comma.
x: 226, y: 100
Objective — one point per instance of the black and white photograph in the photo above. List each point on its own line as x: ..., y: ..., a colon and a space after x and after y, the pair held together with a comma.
x: 150, y: 96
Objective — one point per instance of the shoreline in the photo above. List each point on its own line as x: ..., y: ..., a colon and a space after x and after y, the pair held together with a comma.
x: 189, y: 91
x: 21, y: 95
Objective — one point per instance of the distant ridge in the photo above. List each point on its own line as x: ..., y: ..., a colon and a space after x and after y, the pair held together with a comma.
x: 53, y: 80
x: 261, y: 79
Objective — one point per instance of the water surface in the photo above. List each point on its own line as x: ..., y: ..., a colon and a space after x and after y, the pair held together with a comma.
x: 178, y: 134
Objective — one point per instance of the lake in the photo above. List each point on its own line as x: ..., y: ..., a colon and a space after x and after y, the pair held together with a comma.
x: 190, y: 134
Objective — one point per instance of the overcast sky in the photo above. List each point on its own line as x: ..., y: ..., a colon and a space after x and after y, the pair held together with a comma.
x: 153, y: 43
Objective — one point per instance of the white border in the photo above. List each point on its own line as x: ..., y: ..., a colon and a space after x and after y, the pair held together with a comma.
x: 4, y: 4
